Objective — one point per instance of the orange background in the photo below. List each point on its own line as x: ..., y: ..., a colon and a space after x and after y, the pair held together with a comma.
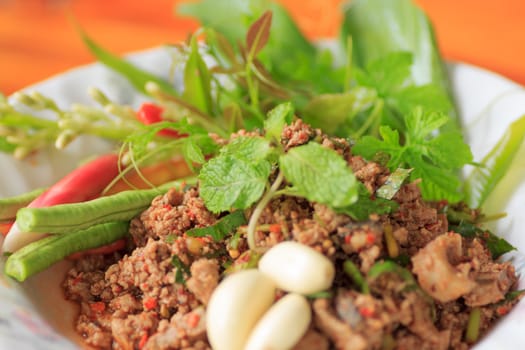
x: 37, y: 39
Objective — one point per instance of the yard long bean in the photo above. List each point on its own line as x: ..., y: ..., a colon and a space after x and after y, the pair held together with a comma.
x: 64, y: 218
x: 43, y: 253
x: 10, y: 205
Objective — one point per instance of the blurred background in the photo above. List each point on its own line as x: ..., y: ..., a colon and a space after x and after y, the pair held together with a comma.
x: 37, y: 38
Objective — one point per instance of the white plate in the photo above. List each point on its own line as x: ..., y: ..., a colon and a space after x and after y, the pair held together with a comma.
x: 34, y: 315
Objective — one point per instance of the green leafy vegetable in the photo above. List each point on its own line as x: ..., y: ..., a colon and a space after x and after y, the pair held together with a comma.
x: 484, y: 178
x: 222, y: 228
x: 277, y: 119
x: 496, y: 245
x: 367, y: 205
x: 197, y: 80
x: 379, y: 28
x: 336, y: 113
x: 136, y: 76
x: 320, y: 175
x: 435, y: 159
x: 252, y: 149
x: 228, y: 182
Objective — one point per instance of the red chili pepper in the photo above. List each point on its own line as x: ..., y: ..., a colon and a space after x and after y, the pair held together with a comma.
x: 5, y: 227
x: 150, y: 113
x: 370, y: 238
x: 193, y: 320
x: 143, y: 340
x: 82, y: 184
x: 366, y: 312
x: 97, y: 307
x: 275, y: 228
x: 77, y: 280
x: 150, y: 303
x: 502, y: 310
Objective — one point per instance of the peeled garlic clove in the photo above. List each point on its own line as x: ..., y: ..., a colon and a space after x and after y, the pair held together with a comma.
x: 282, y: 326
x: 297, y: 268
x: 235, y: 306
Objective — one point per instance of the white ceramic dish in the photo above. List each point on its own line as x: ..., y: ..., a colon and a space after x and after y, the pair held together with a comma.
x: 34, y: 315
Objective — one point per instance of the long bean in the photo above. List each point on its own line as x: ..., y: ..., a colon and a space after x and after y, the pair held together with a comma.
x: 43, y: 253
x: 10, y: 205
x: 63, y: 218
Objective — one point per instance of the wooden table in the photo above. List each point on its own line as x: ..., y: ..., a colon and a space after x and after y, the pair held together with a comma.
x: 38, y: 40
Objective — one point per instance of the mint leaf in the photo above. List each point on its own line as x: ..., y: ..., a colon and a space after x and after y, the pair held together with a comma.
x: 237, y: 177
x: 277, y: 119
x: 320, y: 175
x: 222, y: 228
x: 228, y: 182
x: 248, y: 148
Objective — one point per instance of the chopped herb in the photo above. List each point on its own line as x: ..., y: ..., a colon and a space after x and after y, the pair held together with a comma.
x: 222, y: 228
x: 183, y: 271
x: 496, y: 245
x: 394, y: 182
x: 353, y: 272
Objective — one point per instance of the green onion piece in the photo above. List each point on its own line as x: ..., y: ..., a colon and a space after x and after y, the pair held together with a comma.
x: 353, y: 272
x: 391, y: 244
x: 473, y: 325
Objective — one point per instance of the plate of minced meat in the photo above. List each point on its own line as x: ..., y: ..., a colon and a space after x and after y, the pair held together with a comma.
x: 201, y: 212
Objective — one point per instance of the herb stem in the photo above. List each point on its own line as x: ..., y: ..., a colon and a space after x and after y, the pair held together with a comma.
x: 252, y: 224
x: 372, y: 120
x: 252, y: 87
